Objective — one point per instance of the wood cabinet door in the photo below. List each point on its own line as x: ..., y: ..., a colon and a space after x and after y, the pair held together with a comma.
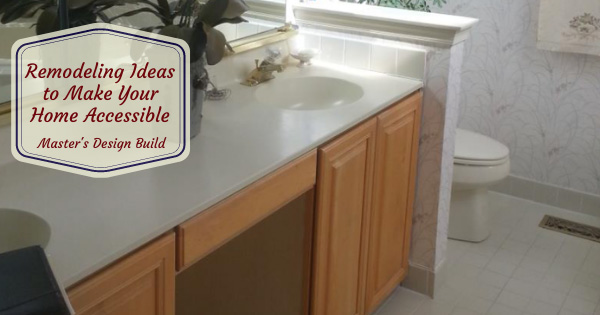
x: 143, y: 283
x: 345, y: 169
x: 393, y: 197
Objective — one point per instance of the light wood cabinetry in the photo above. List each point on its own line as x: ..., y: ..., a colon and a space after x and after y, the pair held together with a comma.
x: 342, y: 210
x: 143, y: 283
x: 393, y: 197
x: 365, y: 193
x: 350, y: 259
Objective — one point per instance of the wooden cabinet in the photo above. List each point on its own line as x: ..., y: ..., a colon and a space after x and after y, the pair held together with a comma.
x: 365, y: 184
x: 393, y: 197
x: 365, y: 193
x: 342, y: 211
x: 143, y: 283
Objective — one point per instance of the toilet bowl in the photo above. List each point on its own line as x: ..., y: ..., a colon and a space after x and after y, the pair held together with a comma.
x: 479, y: 162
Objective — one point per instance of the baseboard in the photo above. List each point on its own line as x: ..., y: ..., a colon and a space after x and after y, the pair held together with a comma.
x: 549, y: 194
x: 420, y: 279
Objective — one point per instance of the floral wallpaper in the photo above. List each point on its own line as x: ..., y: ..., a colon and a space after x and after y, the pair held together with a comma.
x: 544, y: 105
x: 425, y: 245
x: 441, y: 97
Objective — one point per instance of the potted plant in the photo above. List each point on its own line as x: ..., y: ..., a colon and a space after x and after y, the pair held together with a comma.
x: 195, y: 23
x: 189, y: 20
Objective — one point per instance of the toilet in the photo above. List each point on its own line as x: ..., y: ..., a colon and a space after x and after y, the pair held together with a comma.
x: 479, y: 162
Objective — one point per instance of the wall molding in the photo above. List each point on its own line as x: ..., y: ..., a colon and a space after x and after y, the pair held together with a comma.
x: 393, y: 24
x: 425, y: 28
x: 424, y: 280
x: 549, y: 194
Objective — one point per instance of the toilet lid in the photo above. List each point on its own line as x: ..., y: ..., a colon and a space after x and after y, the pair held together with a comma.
x: 471, y: 147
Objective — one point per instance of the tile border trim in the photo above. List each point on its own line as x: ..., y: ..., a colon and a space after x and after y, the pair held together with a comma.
x: 549, y: 194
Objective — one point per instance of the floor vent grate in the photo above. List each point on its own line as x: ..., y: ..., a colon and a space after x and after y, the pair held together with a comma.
x: 572, y: 228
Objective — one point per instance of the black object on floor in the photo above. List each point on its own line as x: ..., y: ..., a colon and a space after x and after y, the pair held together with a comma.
x: 572, y: 228
x: 27, y: 284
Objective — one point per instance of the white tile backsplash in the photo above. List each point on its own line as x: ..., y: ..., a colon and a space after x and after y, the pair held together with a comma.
x: 264, y: 28
x: 363, y: 53
x: 383, y: 59
x: 332, y: 50
x: 310, y: 41
x: 246, y: 29
x: 357, y: 54
x: 410, y: 63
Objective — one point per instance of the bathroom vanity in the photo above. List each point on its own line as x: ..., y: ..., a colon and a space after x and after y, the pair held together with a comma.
x: 357, y: 190
x: 296, y: 198
x: 297, y: 194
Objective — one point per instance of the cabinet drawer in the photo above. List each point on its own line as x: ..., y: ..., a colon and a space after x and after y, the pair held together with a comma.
x: 212, y: 228
x: 142, y: 283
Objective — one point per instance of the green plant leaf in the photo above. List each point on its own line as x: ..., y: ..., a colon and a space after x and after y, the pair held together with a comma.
x: 170, y: 30
x: 20, y: 9
x: 165, y: 9
x: 213, y: 11
x: 81, y: 17
x: 235, y: 8
x: 47, y: 21
x: 215, y: 45
x: 137, y: 11
x: 150, y: 29
x: 195, y: 38
x: 197, y: 43
x: 78, y: 4
x: 33, y: 9
x: 5, y: 4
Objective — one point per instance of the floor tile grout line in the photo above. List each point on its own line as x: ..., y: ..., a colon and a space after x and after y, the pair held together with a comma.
x: 573, y: 283
x: 546, y: 255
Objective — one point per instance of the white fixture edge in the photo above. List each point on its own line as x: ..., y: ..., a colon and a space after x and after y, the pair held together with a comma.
x: 435, y: 29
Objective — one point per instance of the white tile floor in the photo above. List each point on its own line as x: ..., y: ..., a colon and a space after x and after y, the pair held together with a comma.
x: 520, y: 269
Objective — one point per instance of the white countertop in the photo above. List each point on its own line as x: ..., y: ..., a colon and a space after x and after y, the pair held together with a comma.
x: 96, y: 221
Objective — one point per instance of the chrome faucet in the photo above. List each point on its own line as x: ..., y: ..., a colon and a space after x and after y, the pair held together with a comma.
x: 263, y: 71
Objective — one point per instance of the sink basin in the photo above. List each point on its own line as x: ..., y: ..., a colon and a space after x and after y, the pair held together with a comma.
x: 308, y: 93
x: 20, y: 229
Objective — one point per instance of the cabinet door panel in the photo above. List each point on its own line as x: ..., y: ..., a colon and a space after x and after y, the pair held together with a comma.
x: 393, y: 196
x: 343, y: 199
x: 142, y: 283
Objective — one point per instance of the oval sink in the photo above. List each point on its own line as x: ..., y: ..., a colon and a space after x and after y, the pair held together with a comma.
x: 308, y: 93
x: 19, y: 229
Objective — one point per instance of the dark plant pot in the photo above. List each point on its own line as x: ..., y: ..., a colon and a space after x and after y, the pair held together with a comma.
x: 197, y: 70
x: 197, y: 98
